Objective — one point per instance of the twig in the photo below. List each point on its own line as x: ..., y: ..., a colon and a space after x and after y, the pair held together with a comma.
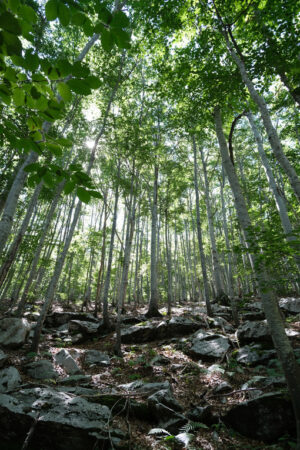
x: 30, y: 433
x: 234, y: 392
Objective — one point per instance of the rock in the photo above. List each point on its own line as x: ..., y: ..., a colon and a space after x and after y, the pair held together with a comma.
x: 97, y: 358
x: 76, y: 379
x: 41, y: 370
x: 253, y: 354
x: 77, y: 338
x: 150, y: 388
x: 209, y: 346
x: 84, y: 327
x: 3, y: 358
x: 222, y: 388
x: 222, y: 311
x: 254, y: 332
x: 265, y: 418
x: 203, y: 414
x: 14, y: 332
x: 168, y: 419
x: 9, y: 379
x: 159, y: 360
x: 65, y: 360
x: 253, y: 315
x: 72, y: 420
x: 178, y: 326
x: 219, y: 322
x: 133, y: 320
x: 166, y: 398
x: 143, y: 332
x: 59, y: 318
x: 291, y: 305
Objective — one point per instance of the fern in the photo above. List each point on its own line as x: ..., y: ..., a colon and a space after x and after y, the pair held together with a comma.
x: 192, y: 426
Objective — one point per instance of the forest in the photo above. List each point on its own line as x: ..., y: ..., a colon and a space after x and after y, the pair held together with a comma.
x: 149, y: 224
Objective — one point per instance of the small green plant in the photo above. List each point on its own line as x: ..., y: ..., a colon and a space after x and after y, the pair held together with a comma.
x: 135, y: 376
x: 31, y: 355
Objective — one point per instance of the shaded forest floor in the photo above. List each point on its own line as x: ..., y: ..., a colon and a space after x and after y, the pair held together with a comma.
x: 216, y: 383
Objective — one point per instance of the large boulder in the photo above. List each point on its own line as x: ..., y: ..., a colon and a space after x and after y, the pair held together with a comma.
x: 178, y: 326
x: 59, y: 318
x: 14, y: 332
x: 3, y: 358
x: 290, y: 305
x: 65, y: 360
x: 41, y: 370
x: 84, y: 327
x: 64, y: 421
x: 9, y: 379
x: 164, y: 397
x: 143, y: 332
x: 209, y: 346
x: 254, y: 332
x: 254, y: 354
x: 265, y: 418
x: 97, y: 358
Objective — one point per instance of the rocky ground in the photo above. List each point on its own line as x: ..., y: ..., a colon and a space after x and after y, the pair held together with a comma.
x: 189, y: 382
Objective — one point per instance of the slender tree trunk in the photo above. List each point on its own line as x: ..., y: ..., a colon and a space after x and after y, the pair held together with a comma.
x: 199, y: 233
x: 281, y: 342
x: 106, y: 320
x: 278, y: 194
x: 271, y: 131
x: 169, y: 265
x: 153, y: 304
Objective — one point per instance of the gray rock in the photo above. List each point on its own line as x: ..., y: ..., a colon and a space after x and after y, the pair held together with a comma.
x: 209, y: 346
x: 265, y: 418
x: 76, y: 379
x: 3, y: 358
x: 254, y: 332
x: 166, y: 398
x: 65, y: 360
x: 253, y: 354
x: 150, y: 388
x: 60, y: 415
x: 203, y: 414
x: 143, y: 332
x: 222, y: 388
x: 84, y: 327
x: 291, y: 305
x: 168, y: 419
x: 96, y: 357
x: 41, y: 370
x: 182, y: 325
x: 159, y: 360
x: 220, y: 322
x: 14, y: 332
x: 59, y: 318
x: 9, y: 379
x: 253, y: 315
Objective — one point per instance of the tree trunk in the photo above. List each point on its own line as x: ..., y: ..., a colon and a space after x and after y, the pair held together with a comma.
x: 199, y: 233
x: 281, y: 342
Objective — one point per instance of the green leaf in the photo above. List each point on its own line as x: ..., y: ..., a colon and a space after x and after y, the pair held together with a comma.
x: 32, y: 167
x: 51, y: 10
x: 64, y: 67
x: 55, y: 149
x: 64, y: 14
x: 122, y: 38
x: 38, y: 136
x: 120, y: 20
x: 33, y: 180
x: 28, y: 14
x: 80, y: 70
x: 32, y: 60
x: 14, y: 5
x: 93, y: 82
x: 83, y: 195
x: 19, y: 97
x: 9, y: 23
x: 35, y: 93
x: 69, y: 187
x: 78, y: 18
x: 64, y: 142
x: 95, y: 194
x: 107, y: 40
x: 13, y: 44
x: 104, y: 14
x: 41, y: 103
x: 48, y: 179
x: 5, y: 94
x: 88, y: 28
x: 64, y: 92
x: 79, y: 86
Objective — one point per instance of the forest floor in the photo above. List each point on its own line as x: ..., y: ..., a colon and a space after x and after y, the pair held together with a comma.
x: 193, y: 382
